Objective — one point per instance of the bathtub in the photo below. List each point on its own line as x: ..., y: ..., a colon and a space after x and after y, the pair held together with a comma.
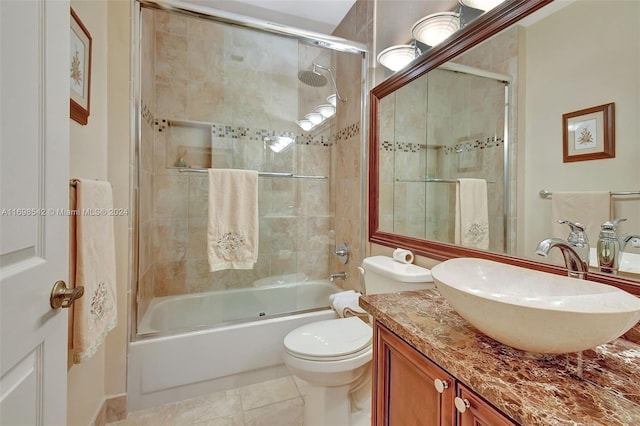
x: 227, y: 339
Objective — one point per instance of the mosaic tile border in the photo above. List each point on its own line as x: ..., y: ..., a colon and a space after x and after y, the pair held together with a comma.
x: 348, y: 132
x: 490, y: 142
x: 225, y: 131
x: 219, y: 130
x: 401, y: 146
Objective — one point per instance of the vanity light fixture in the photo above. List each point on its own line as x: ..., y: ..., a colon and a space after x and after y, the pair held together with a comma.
x: 315, y: 117
x: 320, y: 113
x: 481, y: 4
x: 435, y: 28
x: 278, y: 143
x: 332, y: 99
x: 305, y: 124
x: 327, y: 110
x: 397, y: 57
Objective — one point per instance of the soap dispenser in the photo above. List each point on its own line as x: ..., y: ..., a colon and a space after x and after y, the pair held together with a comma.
x: 578, y: 239
x: 609, y: 247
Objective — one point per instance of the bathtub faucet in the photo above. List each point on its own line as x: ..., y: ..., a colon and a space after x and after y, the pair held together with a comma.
x: 336, y: 275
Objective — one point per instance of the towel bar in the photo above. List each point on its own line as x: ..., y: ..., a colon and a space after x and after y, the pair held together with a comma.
x: 262, y: 174
x: 545, y: 194
x: 434, y: 180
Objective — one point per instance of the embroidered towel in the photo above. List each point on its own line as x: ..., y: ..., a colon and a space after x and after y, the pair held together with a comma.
x: 95, y: 266
x: 472, y: 214
x: 591, y: 208
x: 232, y: 230
x: 346, y: 304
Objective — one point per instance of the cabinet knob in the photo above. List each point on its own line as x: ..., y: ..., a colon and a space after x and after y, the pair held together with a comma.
x: 461, y: 404
x: 440, y: 385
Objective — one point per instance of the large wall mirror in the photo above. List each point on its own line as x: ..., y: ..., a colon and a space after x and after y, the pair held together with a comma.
x: 489, y: 105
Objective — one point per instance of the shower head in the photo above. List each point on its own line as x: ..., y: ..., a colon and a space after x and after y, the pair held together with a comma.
x: 315, y: 79
x: 312, y: 78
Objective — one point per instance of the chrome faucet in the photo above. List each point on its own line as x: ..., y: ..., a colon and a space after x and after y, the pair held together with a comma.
x: 577, y: 238
x: 576, y: 266
x: 611, y: 246
x: 338, y: 275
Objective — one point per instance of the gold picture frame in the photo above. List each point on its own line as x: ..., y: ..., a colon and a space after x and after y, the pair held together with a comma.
x: 79, y: 70
x: 589, y: 134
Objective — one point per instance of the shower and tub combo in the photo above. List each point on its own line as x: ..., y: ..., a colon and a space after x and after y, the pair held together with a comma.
x: 198, y: 344
x: 216, y: 90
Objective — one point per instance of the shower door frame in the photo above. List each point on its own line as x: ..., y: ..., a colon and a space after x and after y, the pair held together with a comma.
x: 507, y: 171
x: 303, y: 36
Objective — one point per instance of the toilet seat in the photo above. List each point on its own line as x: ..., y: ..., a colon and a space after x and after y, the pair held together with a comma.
x: 330, y: 340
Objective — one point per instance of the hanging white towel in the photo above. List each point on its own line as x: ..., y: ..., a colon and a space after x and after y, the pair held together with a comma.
x: 232, y: 231
x: 591, y: 208
x: 472, y: 214
x: 345, y: 303
x: 94, y: 264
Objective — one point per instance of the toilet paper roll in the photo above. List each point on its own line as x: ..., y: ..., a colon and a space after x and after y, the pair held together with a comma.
x: 403, y: 256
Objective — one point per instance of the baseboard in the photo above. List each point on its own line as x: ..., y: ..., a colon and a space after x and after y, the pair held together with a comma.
x: 112, y: 410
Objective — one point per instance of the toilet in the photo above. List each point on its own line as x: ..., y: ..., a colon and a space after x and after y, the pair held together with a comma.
x: 334, y: 356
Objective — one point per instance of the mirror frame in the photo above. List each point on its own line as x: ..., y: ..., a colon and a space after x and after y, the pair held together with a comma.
x: 485, y: 26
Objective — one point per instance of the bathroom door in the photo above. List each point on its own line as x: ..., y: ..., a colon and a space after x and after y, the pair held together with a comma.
x: 34, y: 169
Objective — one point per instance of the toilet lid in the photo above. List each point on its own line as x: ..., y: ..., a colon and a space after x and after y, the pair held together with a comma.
x: 333, y: 339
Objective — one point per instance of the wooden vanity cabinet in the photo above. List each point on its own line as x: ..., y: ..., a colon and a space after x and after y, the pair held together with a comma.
x: 411, y: 390
x: 404, y: 391
x: 475, y: 411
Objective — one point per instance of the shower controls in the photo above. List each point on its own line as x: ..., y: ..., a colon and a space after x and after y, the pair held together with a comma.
x: 343, y: 253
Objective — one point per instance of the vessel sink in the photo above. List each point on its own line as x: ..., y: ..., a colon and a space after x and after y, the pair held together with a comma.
x: 629, y: 262
x: 535, y: 311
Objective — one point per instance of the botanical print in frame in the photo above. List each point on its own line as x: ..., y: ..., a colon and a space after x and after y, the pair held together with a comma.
x: 79, y: 70
x: 589, y: 134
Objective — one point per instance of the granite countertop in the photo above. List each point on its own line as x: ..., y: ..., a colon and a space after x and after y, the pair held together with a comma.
x: 532, y: 389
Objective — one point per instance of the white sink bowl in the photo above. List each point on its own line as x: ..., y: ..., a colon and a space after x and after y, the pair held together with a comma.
x: 629, y: 262
x: 532, y: 310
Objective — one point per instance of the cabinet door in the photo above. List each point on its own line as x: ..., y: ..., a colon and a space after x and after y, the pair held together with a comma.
x: 475, y: 411
x: 404, y: 389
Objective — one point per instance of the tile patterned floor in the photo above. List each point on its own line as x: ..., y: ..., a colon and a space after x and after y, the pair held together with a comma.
x: 272, y: 403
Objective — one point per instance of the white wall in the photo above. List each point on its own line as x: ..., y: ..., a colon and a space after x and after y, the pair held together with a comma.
x: 569, y: 69
x: 88, y: 159
x: 119, y: 171
x: 100, y: 150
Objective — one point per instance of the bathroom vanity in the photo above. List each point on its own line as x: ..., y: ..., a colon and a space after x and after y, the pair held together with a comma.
x: 431, y: 367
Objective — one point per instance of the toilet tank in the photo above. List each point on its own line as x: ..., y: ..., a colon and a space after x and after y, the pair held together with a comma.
x: 383, y: 274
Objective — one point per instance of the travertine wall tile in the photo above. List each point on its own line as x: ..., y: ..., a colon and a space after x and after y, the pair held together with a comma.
x: 243, y: 87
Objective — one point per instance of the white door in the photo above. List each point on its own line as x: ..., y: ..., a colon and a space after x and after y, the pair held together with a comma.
x: 34, y: 173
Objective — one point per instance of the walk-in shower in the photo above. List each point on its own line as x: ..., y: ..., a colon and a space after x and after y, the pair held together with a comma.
x: 217, y: 90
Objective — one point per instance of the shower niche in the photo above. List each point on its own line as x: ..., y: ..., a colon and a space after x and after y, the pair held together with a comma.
x: 188, y: 144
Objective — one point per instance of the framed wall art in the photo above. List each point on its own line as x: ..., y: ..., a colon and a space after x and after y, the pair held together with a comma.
x: 79, y: 70
x: 589, y: 134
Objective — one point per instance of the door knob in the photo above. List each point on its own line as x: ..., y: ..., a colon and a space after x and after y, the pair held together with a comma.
x: 63, y: 297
